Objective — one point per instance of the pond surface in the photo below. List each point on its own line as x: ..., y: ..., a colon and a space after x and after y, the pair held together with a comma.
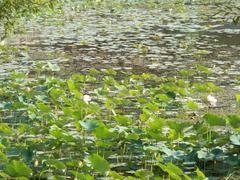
x: 135, y: 39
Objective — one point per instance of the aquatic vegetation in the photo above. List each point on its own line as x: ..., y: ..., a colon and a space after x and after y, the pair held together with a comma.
x: 172, y: 123
x: 104, y: 125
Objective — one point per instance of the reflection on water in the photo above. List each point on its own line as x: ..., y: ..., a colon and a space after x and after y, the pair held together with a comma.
x: 135, y: 39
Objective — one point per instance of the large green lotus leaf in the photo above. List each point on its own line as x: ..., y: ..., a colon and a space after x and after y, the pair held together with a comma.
x: 144, y: 173
x: 56, y: 164
x: 171, y: 94
x: 5, y: 129
x: 132, y: 136
x: 58, y: 178
x: 200, y: 175
x: 103, y: 132
x: 44, y: 108
x: 170, y: 172
x: 235, y: 139
x: 17, y: 169
x: 4, y: 175
x: 234, y: 121
x: 123, y: 120
x: 192, y: 105
x: 131, y: 178
x: 163, y: 98
x: 232, y: 160
x: 99, y: 164
x: 204, y: 155
x: 115, y: 175
x: 81, y: 176
x: 104, y: 144
x: 61, y: 134
x: 89, y: 125
x: 27, y: 154
x: 56, y: 93
x: 177, y: 126
x: 238, y: 98
x: 214, y: 120
x: 156, y: 123
x: 174, y: 168
x: 3, y: 158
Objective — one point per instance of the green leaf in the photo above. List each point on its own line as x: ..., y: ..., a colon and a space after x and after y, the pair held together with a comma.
x: 3, y: 175
x: 200, y: 174
x: 133, y: 136
x: 3, y: 158
x: 203, y: 69
x: 163, y: 98
x: 156, y: 123
x: 170, y: 172
x: 115, y: 175
x: 178, y: 127
x: 234, y: 121
x: 238, y: 98
x: 99, y: 164
x: 144, y: 173
x: 214, y: 120
x: 5, y: 129
x: 103, y: 132
x: 89, y: 125
x: 192, y: 105
x: 174, y: 169
x: 123, y: 120
x: 235, y: 139
x: 17, y: 169
x: 81, y: 176
x: 56, y: 164
x: 44, y: 108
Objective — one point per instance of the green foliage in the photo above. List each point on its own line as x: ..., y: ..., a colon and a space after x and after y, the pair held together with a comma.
x: 49, y: 131
x: 99, y: 164
x: 12, y: 11
x: 231, y: 10
x: 18, y: 169
x: 214, y: 120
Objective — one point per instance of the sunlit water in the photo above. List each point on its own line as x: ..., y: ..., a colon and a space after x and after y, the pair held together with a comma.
x: 134, y: 39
